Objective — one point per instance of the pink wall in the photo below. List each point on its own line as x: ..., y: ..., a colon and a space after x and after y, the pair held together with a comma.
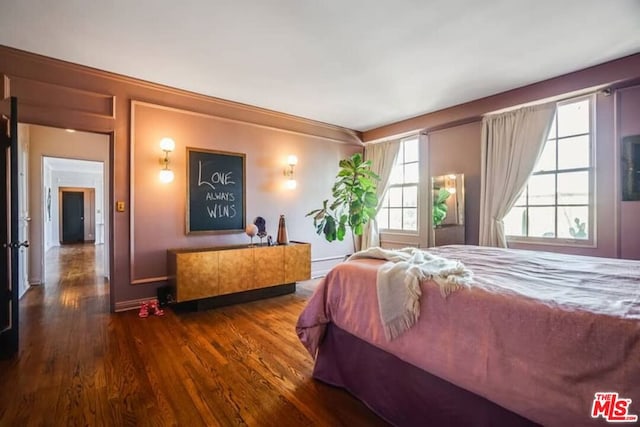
x: 457, y: 150
x: 63, y: 95
x: 158, y: 210
x: 629, y: 124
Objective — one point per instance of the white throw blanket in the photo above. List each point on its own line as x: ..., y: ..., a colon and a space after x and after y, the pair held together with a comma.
x: 400, y: 305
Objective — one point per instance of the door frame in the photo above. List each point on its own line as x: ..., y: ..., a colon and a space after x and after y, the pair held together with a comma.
x: 107, y: 188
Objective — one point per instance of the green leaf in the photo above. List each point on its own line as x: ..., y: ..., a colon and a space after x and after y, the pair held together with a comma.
x: 313, y: 212
x: 342, y: 230
x: 443, y: 195
x: 358, y: 230
x: 330, y: 229
x: 370, y: 199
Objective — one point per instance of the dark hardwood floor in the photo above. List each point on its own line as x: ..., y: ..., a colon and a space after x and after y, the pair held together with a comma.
x: 80, y: 365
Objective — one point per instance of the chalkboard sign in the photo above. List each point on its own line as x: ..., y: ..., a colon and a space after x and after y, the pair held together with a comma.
x: 215, y: 191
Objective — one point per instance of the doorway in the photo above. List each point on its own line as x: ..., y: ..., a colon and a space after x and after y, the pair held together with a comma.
x: 67, y: 161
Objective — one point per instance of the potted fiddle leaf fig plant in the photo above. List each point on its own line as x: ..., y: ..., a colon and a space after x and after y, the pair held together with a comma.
x: 354, y: 201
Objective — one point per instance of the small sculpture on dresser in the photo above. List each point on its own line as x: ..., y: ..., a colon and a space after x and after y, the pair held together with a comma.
x: 262, y: 228
x: 251, y: 231
x: 283, y: 237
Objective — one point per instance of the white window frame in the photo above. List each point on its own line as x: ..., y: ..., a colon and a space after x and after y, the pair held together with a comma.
x: 563, y: 241
x: 417, y: 185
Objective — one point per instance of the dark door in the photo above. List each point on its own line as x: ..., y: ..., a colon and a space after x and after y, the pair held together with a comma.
x: 9, y: 230
x: 72, y: 216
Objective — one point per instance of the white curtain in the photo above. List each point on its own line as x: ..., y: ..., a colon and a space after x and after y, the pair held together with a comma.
x: 511, y: 145
x: 382, y: 156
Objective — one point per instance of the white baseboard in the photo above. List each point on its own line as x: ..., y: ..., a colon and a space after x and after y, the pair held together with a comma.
x: 133, y: 304
x: 321, y: 266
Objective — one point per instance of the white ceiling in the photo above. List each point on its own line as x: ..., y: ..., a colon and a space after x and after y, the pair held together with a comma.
x: 356, y: 63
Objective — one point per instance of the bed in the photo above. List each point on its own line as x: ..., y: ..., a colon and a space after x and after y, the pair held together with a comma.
x: 531, y: 341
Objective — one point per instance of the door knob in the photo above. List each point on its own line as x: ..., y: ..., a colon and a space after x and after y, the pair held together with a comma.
x: 17, y: 244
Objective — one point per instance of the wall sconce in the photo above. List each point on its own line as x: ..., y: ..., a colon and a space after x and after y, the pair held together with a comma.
x: 292, y: 161
x: 167, y: 145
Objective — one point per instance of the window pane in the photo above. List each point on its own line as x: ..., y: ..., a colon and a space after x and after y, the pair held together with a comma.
x: 411, y: 150
x: 396, y: 174
x: 547, y: 160
x: 395, y: 197
x: 410, y: 196
x: 542, y: 190
x: 573, y: 222
x: 542, y: 222
x: 522, y: 199
x: 573, y: 152
x: 552, y: 131
x: 395, y: 219
x: 398, y: 159
x: 573, y: 188
x: 409, y: 221
x: 385, y: 201
x: 383, y: 218
x: 573, y: 118
x: 411, y: 173
x: 515, y: 222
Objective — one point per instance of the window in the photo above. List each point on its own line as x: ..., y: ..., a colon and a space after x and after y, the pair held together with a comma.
x: 557, y: 203
x: 400, y: 205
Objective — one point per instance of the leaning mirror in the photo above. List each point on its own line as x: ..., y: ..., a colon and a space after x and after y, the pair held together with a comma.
x: 448, y: 209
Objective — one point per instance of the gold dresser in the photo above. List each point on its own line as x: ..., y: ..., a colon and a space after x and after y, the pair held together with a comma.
x: 230, y: 274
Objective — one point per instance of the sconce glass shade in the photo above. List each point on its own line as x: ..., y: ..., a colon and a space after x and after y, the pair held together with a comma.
x: 292, y: 160
x: 291, y: 184
x: 166, y: 176
x: 167, y: 144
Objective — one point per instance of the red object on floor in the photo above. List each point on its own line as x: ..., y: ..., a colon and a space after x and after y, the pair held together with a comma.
x: 155, y: 308
x: 144, y: 310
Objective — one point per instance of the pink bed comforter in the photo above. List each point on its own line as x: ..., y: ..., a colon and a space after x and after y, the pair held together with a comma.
x: 537, y: 333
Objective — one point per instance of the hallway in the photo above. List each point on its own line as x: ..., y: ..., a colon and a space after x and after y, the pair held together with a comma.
x: 73, y: 275
x: 63, y: 327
